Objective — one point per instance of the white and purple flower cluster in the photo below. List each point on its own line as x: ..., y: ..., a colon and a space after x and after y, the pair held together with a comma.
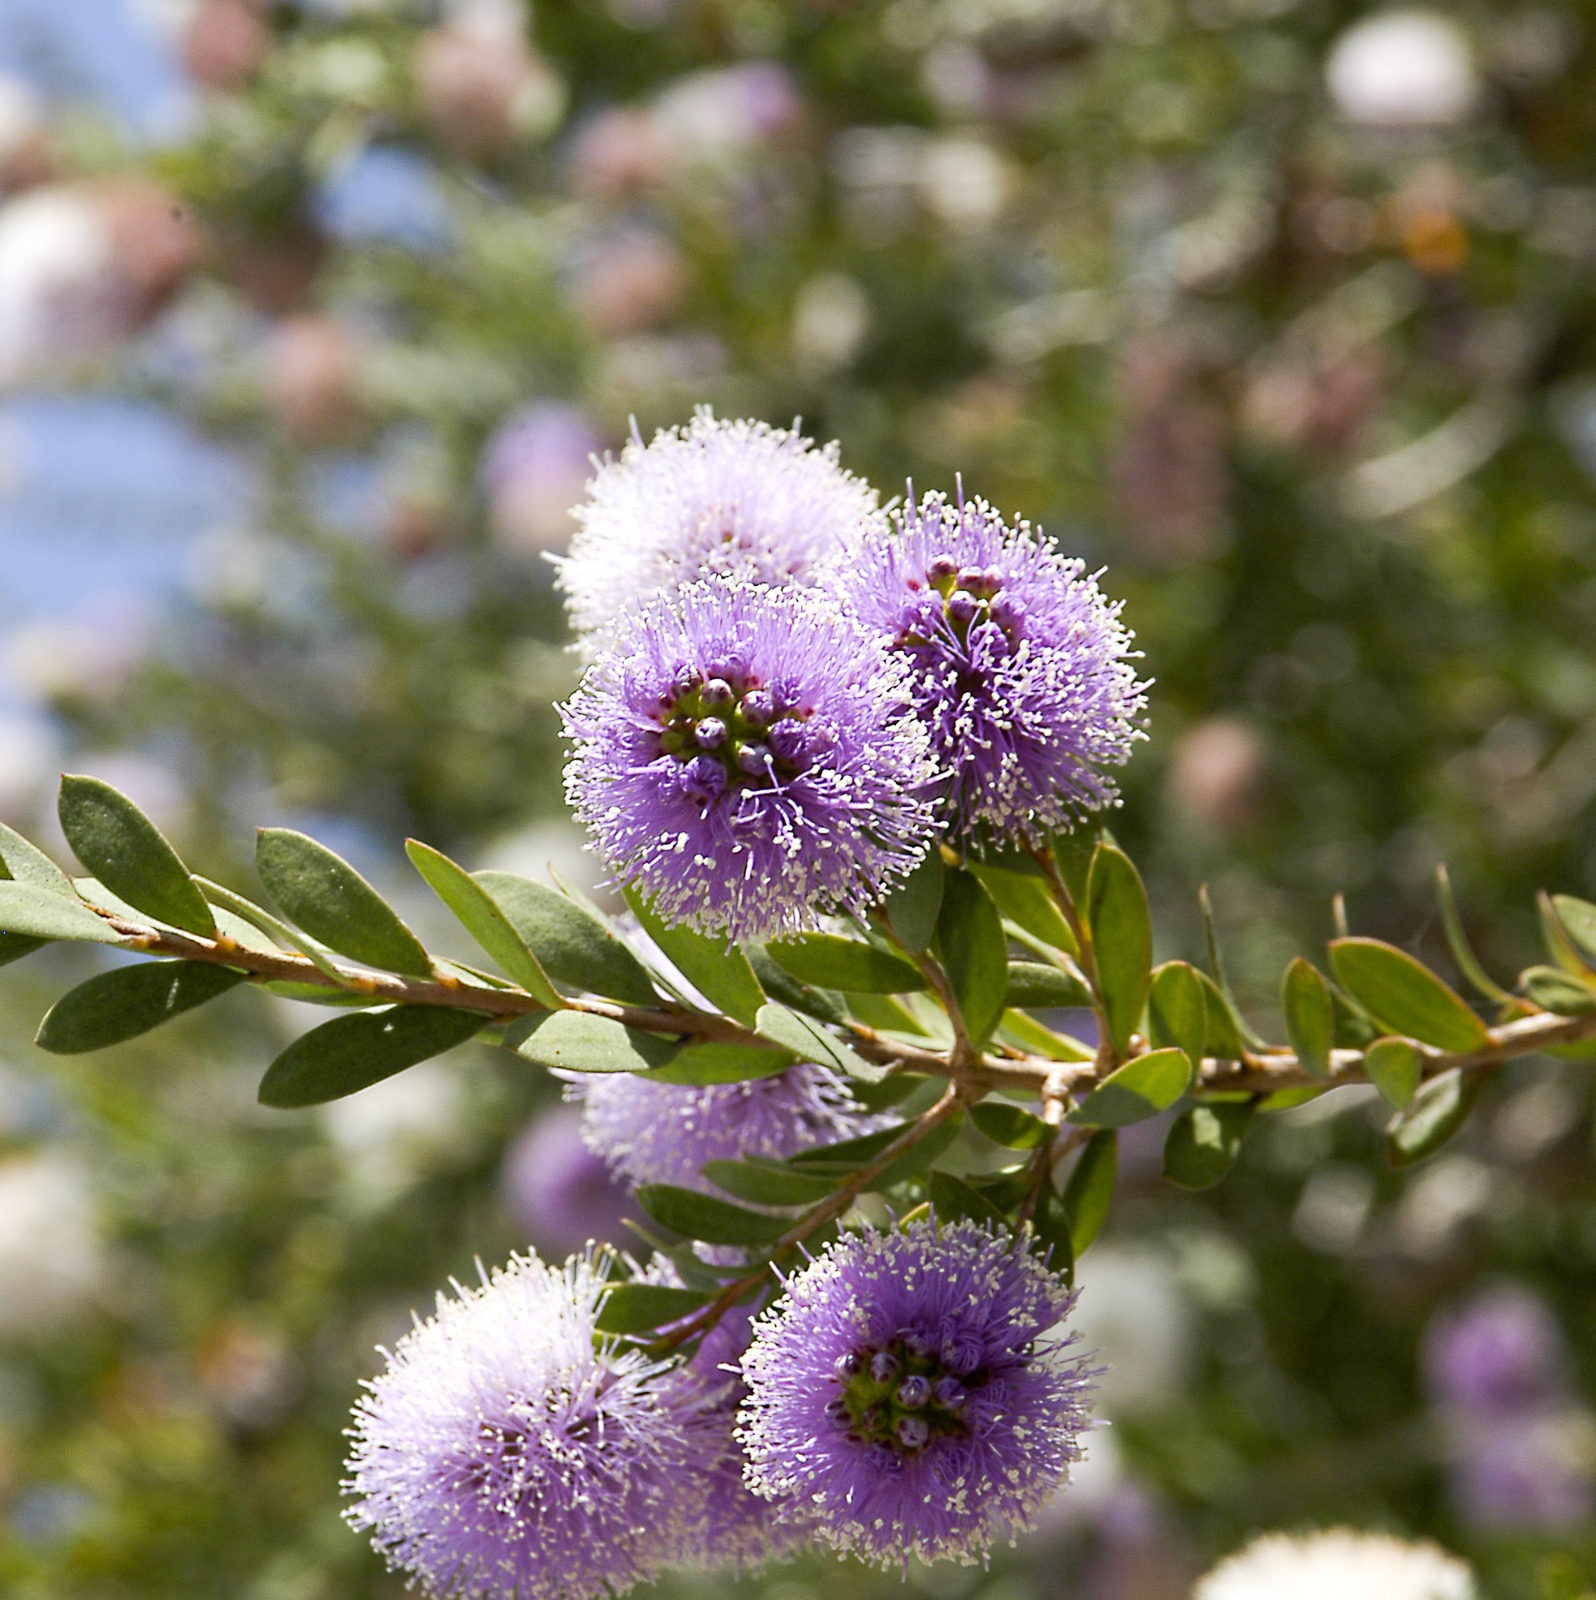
x: 791, y: 697
x: 793, y: 694
x: 911, y: 1394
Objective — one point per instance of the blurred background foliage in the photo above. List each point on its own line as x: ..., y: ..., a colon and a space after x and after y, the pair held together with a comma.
x: 310, y: 317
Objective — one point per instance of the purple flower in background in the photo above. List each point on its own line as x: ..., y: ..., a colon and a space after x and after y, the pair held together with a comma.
x: 742, y: 757
x: 714, y: 496
x: 1532, y: 1470
x: 534, y: 471
x: 734, y: 1527
x: 502, y: 1454
x: 1501, y: 1351
x: 1022, y: 670
x: 664, y: 1133
x: 909, y: 1394
x: 557, y: 1189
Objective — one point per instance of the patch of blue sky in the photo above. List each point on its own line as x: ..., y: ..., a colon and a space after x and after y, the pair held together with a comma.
x: 113, y: 54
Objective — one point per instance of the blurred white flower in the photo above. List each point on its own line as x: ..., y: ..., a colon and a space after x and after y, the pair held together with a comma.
x: 964, y: 181
x: 57, y: 298
x: 51, y: 1257
x: 1403, y: 69
x: 1135, y: 1322
x: 396, y: 1130
x: 1337, y: 1565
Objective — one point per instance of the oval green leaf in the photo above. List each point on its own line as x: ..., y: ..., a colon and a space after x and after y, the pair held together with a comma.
x: 699, y: 1065
x: 1555, y: 990
x: 353, y: 1052
x: 1404, y: 996
x: 574, y: 1041
x: 1310, y: 1018
x: 715, y: 967
x: 38, y: 913
x: 1026, y: 899
x: 128, y: 854
x: 1142, y: 1088
x: 1035, y: 983
x: 571, y: 942
x: 1122, y: 941
x: 953, y: 1200
x: 1090, y: 1190
x: 484, y: 919
x: 642, y: 1307
x: 1394, y: 1068
x: 121, y: 1004
x: 912, y: 909
x: 1204, y: 1142
x: 702, y: 1216
x: 28, y: 864
x: 973, y: 950
x: 326, y: 897
x: 828, y: 961
x: 773, y: 1185
x: 1437, y: 1111
x: 1009, y: 1125
x: 809, y: 1041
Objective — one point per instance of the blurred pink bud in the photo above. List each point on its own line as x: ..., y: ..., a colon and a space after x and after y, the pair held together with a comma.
x: 618, y: 154
x: 631, y: 282
x: 1219, y: 777
x: 225, y: 43
x: 312, y: 378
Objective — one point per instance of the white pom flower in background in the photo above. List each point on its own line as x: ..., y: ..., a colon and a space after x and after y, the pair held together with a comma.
x: 1403, y: 69
x: 1338, y: 1564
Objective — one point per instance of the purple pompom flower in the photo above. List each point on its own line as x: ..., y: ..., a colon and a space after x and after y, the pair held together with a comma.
x: 1021, y: 668
x: 750, y: 820
x: 714, y: 496
x: 834, y: 1422
x: 558, y: 1190
x: 664, y: 1133
x: 1500, y: 1353
x: 502, y: 1454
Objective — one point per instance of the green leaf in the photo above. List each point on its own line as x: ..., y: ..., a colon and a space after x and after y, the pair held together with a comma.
x: 912, y: 909
x: 702, y: 1064
x: 1010, y: 1125
x: 1026, y: 899
x: 1122, y: 941
x: 1394, y: 1068
x: 1142, y: 1088
x: 130, y: 855
x: 974, y: 953
x: 847, y: 1154
x: 1204, y: 1142
x: 642, y: 1307
x: 1224, y: 1025
x: 1578, y: 917
x: 714, y: 966
x: 1034, y: 983
x: 1177, y: 1009
x: 128, y: 1001
x: 574, y: 1041
x: 1090, y: 1190
x: 954, y: 1200
x: 1050, y: 1239
x: 1559, y: 946
x: 27, y: 864
x: 484, y: 919
x: 1555, y: 990
x: 326, y: 897
x: 809, y: 1041
x: 1310, y: 1018
x: 1404, y: 996
x: 702, y: 1216
x: 355, y: 1051
x: 1219, y: 982
x: 825, y: 1004
x: 1022, y: 1029
x: 572, y: 942
x: 14, y: 946
x: 829, y: 961
x: 1457, y: 941
x: 1073, y: 853
x: 1437, y: 1111
x: 768, y: 1185
x: 42, y: 914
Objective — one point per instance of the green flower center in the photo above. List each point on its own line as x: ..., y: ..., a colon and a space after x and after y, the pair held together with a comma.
x: 900, y: 1395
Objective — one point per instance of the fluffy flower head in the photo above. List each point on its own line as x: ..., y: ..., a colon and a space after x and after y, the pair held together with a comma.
x: 742, y: 755
x: 1334, y: 1565
x: 664, y: 1133
x: 713, y: 496
x: 1021, y: 669
x: 908, y: 1394
x: 501, y: 1456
